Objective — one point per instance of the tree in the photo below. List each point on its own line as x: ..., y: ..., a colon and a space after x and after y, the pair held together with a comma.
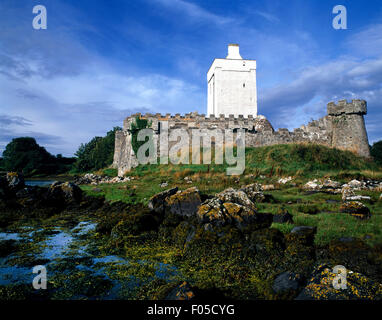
x: 26, y: 156
x: 97, y: 153
x: 376, y: 152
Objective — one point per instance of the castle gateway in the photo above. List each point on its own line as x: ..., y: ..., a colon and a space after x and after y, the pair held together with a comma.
x: 232, y: 104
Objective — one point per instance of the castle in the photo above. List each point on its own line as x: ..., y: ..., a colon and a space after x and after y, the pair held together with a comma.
x: 232, y: 104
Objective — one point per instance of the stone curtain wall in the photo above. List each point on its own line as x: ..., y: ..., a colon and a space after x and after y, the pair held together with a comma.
x: 343, y: 128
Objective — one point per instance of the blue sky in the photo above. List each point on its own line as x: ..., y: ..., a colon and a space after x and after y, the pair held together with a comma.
x: 100, y: 61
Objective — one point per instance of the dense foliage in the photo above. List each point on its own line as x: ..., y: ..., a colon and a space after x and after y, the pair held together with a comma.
x: 26, y: 156
x: 97, y: 153
x: 376, y: 152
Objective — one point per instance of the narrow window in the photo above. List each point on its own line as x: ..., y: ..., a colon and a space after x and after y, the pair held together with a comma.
x: 243, y: 85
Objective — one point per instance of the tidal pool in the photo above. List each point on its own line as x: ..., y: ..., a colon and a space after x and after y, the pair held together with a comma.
x: 74, y: 265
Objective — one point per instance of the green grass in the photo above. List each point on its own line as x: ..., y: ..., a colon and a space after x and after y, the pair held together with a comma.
x: 330, y: 223
x: 303, y: 162
x: 287, y: 159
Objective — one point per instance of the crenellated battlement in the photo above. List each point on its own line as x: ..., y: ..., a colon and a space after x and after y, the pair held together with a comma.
x: 356, y: 106
x: 195, y: 120
x: 191, y: 116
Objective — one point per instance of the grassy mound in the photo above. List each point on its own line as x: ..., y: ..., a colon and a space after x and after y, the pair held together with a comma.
x: 285, y: 159
x: 304, y: 159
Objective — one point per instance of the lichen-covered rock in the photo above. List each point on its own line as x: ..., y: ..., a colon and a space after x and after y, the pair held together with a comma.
x: 216, y: 212
x: 347, y: 192
x: 15, y: 181
x: 236, y: 196
x: 356, y: 209
x: 184, y: 203
x: 64, y: 192
x: 157, y: 202
x: 254, y: 192
x: 313, y: 185
x: 181, y: 292
x: 358, y: 287
x: 331, y: 184
x: 284, y: 180
x: 356, y: 184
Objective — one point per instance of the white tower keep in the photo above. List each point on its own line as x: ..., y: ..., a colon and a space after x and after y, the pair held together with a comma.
x: 232, y: 85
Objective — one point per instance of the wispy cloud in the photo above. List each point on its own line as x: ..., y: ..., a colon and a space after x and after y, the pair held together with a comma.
x: 6, y: 120
x: 194, y: 11
x: 346, y: 77
x: 267, y: 16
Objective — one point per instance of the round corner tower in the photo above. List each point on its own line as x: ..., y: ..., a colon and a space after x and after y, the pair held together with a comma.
x: 348, y: 126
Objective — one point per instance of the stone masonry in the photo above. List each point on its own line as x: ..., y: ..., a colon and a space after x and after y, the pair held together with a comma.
x: 343, y: 127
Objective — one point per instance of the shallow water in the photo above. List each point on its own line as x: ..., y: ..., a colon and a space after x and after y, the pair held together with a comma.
x: 9, y: 236
x: 65, y: 252
x: 39, y: 183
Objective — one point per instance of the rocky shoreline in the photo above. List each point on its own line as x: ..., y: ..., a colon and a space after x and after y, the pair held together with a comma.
x: 224, y: 231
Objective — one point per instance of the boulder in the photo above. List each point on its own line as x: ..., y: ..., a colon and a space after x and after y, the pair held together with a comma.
x: 287, y: 281
x: 347, y: 192
x: 356, y: 209
x: 157, y: 202
x: 358, y: 286
x: 15, y: 181
x: 238, y: 196
x: 234, y: 207
x: 284, y: 180
x: 359, y: 198
x: 181, y: 292
x: 312, y: 185
x: 330, y: 184
x: 216, y: 212
x: 254, y: 192
x: 64, y: 192
x: 356, y: 184
x: 184, y: 203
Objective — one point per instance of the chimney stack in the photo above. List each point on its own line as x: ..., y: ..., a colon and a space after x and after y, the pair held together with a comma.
x: 233, y: 51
